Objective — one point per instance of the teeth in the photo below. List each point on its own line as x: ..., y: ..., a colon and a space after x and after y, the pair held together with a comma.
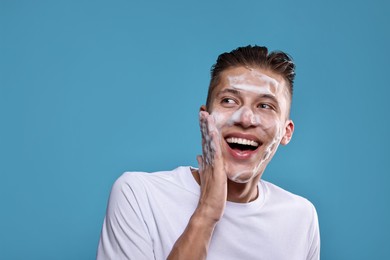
x: 241, y: 141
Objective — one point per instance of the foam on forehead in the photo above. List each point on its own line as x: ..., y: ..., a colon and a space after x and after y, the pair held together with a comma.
x: 254, y: 81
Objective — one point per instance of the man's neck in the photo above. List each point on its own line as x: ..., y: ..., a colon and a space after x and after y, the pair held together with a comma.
x: 238, y: 192
x: 243, y: 192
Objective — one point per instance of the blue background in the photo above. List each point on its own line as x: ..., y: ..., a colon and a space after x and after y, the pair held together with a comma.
x: 90, y: 89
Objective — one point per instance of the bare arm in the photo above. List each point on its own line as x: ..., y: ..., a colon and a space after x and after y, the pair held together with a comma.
x: 195, y: 240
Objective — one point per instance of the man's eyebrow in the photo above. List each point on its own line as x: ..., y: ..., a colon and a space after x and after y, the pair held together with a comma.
x: 229, y: 90
x: 270, y: 97
x: 237, y: 92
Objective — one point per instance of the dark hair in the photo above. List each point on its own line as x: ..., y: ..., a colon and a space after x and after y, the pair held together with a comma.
x: 255, y: 56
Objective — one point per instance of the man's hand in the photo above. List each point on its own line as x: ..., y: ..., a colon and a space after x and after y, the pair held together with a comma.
x: 195, y: 240
x: 213, y: 179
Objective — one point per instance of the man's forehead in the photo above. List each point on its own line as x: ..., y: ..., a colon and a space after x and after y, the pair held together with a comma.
x: 253, y: 79
x: 251, y: 76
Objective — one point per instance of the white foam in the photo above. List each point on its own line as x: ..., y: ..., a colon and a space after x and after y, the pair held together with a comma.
x: 260, y: 90
x: 267, y: 154
x: 242, y: 114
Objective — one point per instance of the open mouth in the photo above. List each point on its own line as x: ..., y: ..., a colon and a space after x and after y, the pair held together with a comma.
x: 242, y: 144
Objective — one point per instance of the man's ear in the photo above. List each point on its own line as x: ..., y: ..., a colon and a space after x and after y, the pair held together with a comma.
x: 202, y: 108
x: 289, y: 130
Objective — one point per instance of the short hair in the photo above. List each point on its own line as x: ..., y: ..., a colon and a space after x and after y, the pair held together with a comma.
x: 253, y: 56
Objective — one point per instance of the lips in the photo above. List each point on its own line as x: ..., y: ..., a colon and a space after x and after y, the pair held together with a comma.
x: 242, y: 146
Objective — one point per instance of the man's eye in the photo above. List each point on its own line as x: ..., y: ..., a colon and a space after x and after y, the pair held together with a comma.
x: 265, y: 106
x: 228, y: 101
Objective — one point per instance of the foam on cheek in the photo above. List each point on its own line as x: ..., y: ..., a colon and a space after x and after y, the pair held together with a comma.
x: 220, y: 119
x: 269, y: 150
x: 267, y: 154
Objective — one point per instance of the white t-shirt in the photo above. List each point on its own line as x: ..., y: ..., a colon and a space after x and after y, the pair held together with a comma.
x: 147, y: 212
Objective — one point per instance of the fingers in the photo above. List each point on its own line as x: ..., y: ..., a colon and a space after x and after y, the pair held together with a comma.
x: 210, y: 137
x: 206, y: 138
x: 215, y: 143
x: 199, y: 158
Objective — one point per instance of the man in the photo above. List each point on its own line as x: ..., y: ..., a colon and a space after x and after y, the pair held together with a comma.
x: 222, y: 210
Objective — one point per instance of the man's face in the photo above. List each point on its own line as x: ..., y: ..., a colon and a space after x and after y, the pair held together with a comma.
x: 250, y: 107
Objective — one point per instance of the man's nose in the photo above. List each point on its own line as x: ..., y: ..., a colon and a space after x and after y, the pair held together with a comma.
x: 246, y: 118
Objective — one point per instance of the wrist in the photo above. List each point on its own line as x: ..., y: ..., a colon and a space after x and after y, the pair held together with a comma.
x: 205, y: 216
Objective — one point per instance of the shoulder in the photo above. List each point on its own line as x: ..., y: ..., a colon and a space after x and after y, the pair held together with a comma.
x: 294, y: 212
x: 280, y: 197
x: 142, y: 194
x: 140, y: 181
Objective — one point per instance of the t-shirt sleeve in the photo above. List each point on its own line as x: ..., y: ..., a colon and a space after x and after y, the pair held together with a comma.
x: 124, y: 234
x: 314, y: 250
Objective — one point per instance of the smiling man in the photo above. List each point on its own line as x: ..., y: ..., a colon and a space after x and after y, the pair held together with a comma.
x: 222, y: 209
